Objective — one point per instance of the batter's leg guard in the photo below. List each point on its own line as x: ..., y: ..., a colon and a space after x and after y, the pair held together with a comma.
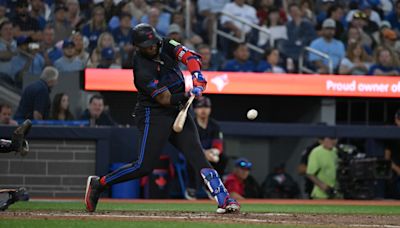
x: 226, y: 204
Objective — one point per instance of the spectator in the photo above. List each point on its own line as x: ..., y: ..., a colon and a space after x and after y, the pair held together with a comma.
x: 123, y: 35
x: 5, y: 115
x: 336, y: 13
x: 35, y: 99
x: 60, y: 108
x: 243, y: 11
x: 264, y: 9
x: 321, y: 169
x: 392, y: 153
x: 234, y: 182
x: 109, y: 9
x: 370, y: 15
x: 80, y: 51
x: 95, y: 27
x: 386, y: 63
x: 241, y: 61
x: 105, y: 40
x: 209, y: 10
x: 3, y: 11
x: 138, y: 9
x: 280, y: 185
x: 123, y: 9
x: 37, y: 12
x: 8, y: 49
x: 108, y: 59
x: 355, y: 35
x: 178, y: 23
x: 389, y: 39
x: 361, y: 21
x: 48, y: 48
x: 207, y: 62
x: 74, y: 17
x: 300, y: 33
x: 357, y: 61
x: 95, y: 112
x: 323, y: 10
x: 212, y: 142
x: 62, y: 27
x: 394, y: 17
x: 329, y: 45
x: 24, y: 24
x: 277, y: 31
x: 270, y: 62
x: 69, y: 62
x: 307, y: 10
x: 154, y: 18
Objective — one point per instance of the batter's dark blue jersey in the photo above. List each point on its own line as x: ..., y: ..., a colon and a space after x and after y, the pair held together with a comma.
x: 152, y: 77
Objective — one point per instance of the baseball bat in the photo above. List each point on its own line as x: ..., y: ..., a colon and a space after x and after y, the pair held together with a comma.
x: 181, y: 118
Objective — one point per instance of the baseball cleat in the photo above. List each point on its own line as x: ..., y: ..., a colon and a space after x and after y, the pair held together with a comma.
x: 20, y: 145
x: 93, y: 191
x: 190, y: 194
x: 230, y: 206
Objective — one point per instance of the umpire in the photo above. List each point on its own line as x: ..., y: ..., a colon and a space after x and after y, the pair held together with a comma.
x: 161, y: 91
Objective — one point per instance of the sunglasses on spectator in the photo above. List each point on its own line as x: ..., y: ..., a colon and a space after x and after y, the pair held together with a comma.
x: 360, y: 15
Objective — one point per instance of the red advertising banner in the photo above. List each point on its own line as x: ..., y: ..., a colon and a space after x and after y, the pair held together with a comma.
x: 262, y: 83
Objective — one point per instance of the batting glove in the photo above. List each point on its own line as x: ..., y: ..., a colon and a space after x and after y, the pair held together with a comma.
x: 197, y: 91
x: 199, y: 80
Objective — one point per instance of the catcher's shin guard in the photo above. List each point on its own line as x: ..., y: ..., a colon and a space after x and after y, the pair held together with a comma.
x: 6, y: 146
x: 214, y: 183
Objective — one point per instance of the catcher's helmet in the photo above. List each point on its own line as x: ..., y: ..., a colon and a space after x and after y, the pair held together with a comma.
x: 144, y: 35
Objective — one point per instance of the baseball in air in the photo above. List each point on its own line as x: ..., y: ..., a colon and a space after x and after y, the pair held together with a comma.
x: 252, y: 114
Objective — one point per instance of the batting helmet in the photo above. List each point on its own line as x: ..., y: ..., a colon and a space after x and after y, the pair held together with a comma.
x: 144, y: 35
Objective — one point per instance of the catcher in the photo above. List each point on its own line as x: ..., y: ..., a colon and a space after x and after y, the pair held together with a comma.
x: 19, y: 145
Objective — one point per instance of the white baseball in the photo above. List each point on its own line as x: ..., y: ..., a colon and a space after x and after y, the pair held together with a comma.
x: 252, y: 114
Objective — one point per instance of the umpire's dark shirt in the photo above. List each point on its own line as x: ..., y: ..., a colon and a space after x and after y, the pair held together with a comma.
x: 103, y: 120
x: 152, y: 77
x: 36, y: 97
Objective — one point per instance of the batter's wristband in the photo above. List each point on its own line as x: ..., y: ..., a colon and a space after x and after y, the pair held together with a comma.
x: 178, y: 98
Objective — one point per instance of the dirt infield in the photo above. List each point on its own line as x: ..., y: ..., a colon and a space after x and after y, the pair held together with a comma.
x: 248, y: 218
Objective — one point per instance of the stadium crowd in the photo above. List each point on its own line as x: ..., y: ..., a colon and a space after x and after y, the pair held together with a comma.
x: 359, y: 36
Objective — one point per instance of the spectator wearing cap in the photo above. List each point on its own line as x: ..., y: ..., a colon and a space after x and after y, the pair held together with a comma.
x: 95, y: 27
x: 8, y: 49
x: 235, y: 181
x: 360, y: 20
x: 108, y: 59
x: 62, y: 27
x: 389, y: 38
x: 300, y: 32
x: 394, y: 17
x: 48, y: 48
x: 69, y: 62
x: 386, y: 63
x: 6, y: 114
x: 37, y: 12
x: 24, y: 24
x: 280, y: 185
x: 241, y: 60
x: 35, y: 99
x: 123, y: 36
x: 392, y: 153
x: 329, y: 45
x: 211, y: 139
x: 123, y: 10
x: 322, y: 168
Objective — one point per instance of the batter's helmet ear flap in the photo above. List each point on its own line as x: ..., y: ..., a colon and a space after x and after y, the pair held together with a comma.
x: 144, y: 35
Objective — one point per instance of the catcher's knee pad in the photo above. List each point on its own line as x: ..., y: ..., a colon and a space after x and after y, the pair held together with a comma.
x: 214, y: 183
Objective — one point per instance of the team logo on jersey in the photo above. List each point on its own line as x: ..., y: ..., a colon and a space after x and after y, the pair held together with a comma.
x: 153, y: 84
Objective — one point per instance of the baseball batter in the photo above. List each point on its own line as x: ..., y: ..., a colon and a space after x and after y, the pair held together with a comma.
x: 161, y: 91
